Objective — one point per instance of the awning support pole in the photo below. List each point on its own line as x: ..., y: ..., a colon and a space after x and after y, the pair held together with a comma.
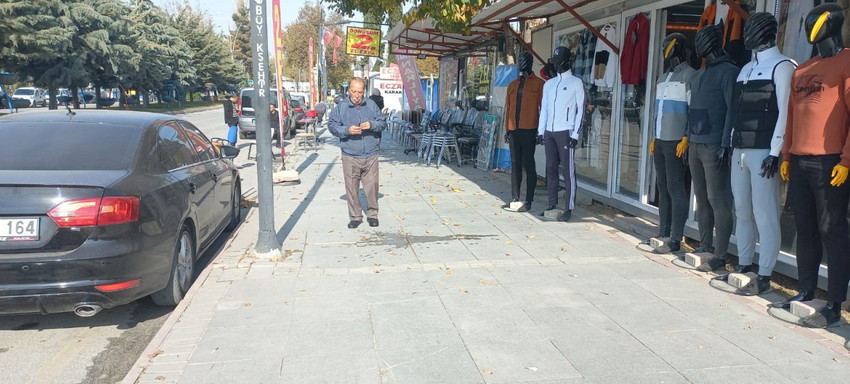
x: 590, y: 27
x: 522, y: 41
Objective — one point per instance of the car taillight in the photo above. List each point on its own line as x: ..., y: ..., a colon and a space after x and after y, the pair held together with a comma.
x: 96, y: 211
x: 118, y: 286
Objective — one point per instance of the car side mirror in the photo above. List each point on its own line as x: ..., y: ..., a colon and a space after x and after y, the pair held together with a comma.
x: 229, y: 152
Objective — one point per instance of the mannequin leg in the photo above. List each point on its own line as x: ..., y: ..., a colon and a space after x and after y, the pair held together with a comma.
x: 528, y: 138
x: 720, y: 197
x: 570, y: 183
x: 834, y: 230
x: 705, y: 216
x: 664, y: 200
x: 745, y: 227
x: 804, y: 205
x: 552, y: 162
x: 675, y: 172
x: 765, y: 203
x: 516, y: 172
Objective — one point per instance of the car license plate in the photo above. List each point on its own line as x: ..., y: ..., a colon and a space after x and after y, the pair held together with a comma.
x: 19, y: 229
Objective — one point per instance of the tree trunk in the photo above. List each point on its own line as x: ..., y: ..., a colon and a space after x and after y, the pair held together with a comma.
x: 191, y: 96
x: 51, y: 89
x: 75, y: 96
x: 122, y: 97
x: 147, y: 98
x: 97, y: 97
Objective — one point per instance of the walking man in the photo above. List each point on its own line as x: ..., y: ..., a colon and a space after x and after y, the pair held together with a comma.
x: 231, y: 117
x: 358, y: 123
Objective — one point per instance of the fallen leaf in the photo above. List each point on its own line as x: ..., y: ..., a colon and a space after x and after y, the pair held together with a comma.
x: 509, y: 242
x: 433, y: 200
x: 429, y: 231
x: 488, y: 372
x: 836, y: 360
x: 377, y: 271
x: 330, y: 231
x: 450, y: 272
x: 160, y: 378
x: 605, y: 293
x: 464, y: 290
x: 485, y: 282
x: 458, y: 225
x: 563, y: 249
x: 246, y: 304
x: 456, y: 190
x: 507, y: 254
x: 574, y: 276
x: 155, y: 353
x: 701, y: 347
x: 772, y: 337
x: 531, y: 369
x: 531, y: 236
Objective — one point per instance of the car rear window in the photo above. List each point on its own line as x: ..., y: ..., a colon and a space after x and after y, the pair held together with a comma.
x: 24, y: 91
x: 67, y: 146
x: 247, y: 97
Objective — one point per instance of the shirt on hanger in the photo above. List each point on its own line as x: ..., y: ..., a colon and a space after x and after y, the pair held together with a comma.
x: 603, y: 75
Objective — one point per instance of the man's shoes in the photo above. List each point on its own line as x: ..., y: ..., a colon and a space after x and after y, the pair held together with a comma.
x: 669, y: 246
x: 372, y: 222
x: 549, y: 208
x: 354, y: 223
x: 566, y: 215
x: 828, y: 316
x: 740, y: 269
x: 802, y: 296
x: 713, y: 264
x: 525, y: 207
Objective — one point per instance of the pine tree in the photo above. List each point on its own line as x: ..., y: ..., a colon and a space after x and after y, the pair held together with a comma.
x: 240, y: 38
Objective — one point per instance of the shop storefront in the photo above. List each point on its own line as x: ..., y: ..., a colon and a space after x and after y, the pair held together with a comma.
x: 613, y: 163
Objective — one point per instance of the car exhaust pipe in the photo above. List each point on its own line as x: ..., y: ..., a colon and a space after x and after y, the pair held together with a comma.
x: 87, y: 310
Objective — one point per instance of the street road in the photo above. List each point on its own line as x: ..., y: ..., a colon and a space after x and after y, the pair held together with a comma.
x: 64, y: 348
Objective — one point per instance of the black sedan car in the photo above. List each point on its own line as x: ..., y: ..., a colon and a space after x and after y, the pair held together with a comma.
x: 101, y: 208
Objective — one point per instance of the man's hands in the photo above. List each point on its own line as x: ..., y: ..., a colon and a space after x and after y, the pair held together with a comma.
x: 839, y: 175
x: 769, y: 166
x: 723, y: 158
x: 784, y: 170
x: 539, y: 139
x: 682, y: 147
x: 358, y: 129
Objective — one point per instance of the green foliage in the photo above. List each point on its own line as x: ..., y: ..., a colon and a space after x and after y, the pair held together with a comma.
x: 240, y: 38
x: 450, y: 15
x: 296, y: 37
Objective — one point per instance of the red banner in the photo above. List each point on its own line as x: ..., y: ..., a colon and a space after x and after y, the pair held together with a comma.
x: 314, y: 94
x: 283, y: 104
x: 410, y: 79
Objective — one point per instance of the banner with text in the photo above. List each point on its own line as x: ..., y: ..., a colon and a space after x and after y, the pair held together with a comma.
x: 410, y: 79
x: 363, y: 42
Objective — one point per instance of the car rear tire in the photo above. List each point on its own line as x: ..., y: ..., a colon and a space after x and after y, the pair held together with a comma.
x: 235, y: 208
x: 182, y: 271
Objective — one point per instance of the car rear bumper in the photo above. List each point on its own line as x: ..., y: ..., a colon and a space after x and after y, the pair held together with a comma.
x: 247, y: 124
x: 59, y: 284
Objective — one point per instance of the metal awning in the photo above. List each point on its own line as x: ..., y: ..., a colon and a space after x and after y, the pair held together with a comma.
x: 422, y: 37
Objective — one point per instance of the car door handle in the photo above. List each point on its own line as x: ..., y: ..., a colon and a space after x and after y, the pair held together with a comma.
x: 191, y: 187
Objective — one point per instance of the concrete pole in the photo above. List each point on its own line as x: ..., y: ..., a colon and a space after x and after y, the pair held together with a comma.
x: 267, y: 244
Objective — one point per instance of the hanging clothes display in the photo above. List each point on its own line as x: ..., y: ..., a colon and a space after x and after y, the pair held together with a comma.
x: 708, y: 15
x: 635, y: 50
x: 605, y: 60
x: 733, y: 37
x: 585, y: 50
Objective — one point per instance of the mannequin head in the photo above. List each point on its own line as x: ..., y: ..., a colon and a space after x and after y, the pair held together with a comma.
x: 673, y: 50
x: 548, y: 70
x: 823, y: 28
x: 709, y: 42
x: 561, y: 59
x: 526, y: 60
x: 760, y: 31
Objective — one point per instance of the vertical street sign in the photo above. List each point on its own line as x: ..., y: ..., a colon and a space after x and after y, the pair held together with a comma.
x: 282, y: 102
x: 267, y: 245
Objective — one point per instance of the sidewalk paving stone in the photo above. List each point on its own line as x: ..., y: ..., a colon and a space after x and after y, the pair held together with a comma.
x: 453, y: 289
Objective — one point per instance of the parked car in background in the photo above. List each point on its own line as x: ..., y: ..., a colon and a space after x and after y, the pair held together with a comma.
x: 35, y: 96
x: 299, y: 112
x: 104, y: 207
x: 247, y: 121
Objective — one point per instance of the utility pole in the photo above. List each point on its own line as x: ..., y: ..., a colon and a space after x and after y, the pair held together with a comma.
x: 267, y: 245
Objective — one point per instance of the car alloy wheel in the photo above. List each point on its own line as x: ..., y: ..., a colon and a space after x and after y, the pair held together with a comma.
x: 235, y: 208
x: 182, y: 271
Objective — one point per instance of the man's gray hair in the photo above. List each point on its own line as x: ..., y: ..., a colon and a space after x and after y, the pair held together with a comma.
x: 358, y: 80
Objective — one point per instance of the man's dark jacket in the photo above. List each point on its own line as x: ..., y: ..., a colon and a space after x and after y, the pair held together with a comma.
x: 710, y: 110
x: 347, y: 114
x: 230, y: 116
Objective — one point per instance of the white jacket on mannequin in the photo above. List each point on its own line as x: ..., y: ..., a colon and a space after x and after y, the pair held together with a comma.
x: 562, y: 108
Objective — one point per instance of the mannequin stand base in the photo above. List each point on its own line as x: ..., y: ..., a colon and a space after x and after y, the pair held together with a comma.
x: 691, y: 260
x: 515, y: 206
x: 552, y: 215
x: 800, y: 310
x: 743, y: 284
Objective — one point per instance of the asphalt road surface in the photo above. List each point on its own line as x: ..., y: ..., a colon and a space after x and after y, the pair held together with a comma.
x: 64, y: 348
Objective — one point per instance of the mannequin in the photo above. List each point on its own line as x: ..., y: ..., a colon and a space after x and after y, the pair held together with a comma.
x: 709, y: 115
x: 559, y: 127
x: 761, y: 111
x: 522, y: 113
x: 816, y: 157
x: 669, y: 143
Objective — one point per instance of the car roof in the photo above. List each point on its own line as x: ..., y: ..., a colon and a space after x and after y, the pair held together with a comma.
x: 128, y: 119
